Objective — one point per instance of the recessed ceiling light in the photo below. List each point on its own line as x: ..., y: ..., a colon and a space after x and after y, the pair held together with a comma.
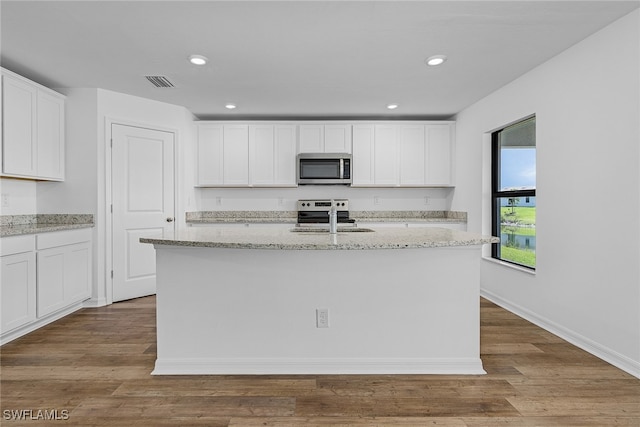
x: 392, y: 106
x: 436, y: 60
x: 230, y: 106
x: 198, y: 59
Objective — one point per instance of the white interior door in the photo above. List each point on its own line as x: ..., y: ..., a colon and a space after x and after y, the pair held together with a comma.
x: 142, y: 180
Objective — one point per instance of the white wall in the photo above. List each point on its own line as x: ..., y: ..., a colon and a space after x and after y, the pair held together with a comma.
x: 587, y: 282
x: 20, y: 196
x: 276, y: 199
x: 113, y: 107
x: 86, y: 186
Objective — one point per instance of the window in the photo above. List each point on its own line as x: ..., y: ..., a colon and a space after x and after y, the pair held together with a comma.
x: 514, y: 193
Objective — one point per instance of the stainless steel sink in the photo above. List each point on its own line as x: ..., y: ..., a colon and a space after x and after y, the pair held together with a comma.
x: 326, y: 229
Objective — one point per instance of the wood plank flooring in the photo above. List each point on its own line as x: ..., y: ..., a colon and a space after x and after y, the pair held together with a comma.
x: 93, y: 368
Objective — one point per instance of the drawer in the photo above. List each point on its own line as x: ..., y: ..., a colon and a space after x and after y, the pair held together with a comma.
x: 62, y: 238
x: 17, y: 244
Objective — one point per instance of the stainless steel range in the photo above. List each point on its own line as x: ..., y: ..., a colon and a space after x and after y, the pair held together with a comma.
x: 317, y: 211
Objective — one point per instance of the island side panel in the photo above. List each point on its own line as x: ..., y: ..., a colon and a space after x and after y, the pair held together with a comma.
x: 247, y: 311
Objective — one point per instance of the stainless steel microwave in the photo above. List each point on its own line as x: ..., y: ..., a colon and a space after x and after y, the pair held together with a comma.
x: 324, y: 168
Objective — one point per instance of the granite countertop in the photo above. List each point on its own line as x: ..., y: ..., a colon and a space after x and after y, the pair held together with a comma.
x: 17, y: 225
x: 269, y: 238
x: 291, y: 217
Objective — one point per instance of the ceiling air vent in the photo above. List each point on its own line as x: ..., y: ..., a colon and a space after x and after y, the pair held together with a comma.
x: 159, y: 81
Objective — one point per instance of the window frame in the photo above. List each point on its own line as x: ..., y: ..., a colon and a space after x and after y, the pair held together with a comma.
x: 497, y: 194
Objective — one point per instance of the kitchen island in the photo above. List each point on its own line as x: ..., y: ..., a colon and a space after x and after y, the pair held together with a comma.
x: 273, y: 301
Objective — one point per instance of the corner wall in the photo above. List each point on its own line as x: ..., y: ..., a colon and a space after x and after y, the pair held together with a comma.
x: 586, y: 287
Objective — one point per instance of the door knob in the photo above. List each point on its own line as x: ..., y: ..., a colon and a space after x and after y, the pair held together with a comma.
x: 169, y: 219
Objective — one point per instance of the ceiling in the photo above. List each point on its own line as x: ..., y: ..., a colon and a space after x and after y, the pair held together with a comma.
x: 296, y: 59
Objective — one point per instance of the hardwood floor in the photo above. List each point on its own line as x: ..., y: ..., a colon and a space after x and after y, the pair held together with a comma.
x: 92, y: 368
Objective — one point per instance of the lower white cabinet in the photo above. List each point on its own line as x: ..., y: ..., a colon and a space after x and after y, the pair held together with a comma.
x: 64, y: 260
x: 18, y: 288
x: 44, y: 277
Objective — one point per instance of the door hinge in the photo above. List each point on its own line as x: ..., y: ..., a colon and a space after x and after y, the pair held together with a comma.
x: 111, y: 208
x: 111, y: 142
x: 112, y: 274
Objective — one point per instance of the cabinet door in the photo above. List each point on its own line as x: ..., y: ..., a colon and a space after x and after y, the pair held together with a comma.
x: 272, y: 155
x: 262, y: 153
x: 210, y: 148
x: 337, y: 139
x: 311, y: 139
x: 386, y: 155
x: 236, y: 155
x: 17, y: 290
x: 77, y: 285
x: 285, y: 158
x: 362, y: 160
x: 50, y: 280
x: 64, y: 276
x: 412, y: 155
x: 439, y: 140
x: 19, y: 127
x: 50, y: 136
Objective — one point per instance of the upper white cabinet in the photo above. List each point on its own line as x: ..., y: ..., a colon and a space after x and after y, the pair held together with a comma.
x: 32, y: 129
x: 384, y: 154
x: 325, y: 138
x: 272, y: 155
x: 240, y: 155
x: 403, y: 155
x: 439, y: 140
x: 223, y: 155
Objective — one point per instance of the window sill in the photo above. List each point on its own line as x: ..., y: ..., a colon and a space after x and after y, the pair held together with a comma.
x: 509, y: 265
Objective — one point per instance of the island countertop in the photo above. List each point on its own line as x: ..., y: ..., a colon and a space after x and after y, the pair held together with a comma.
x: 285, y: 239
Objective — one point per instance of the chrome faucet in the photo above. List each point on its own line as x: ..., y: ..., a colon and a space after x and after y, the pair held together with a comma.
x: 333, y: 218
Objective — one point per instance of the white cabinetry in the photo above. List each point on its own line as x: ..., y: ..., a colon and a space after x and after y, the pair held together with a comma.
x: 44, y: 277
x: 385, y: 155
x: 223, y: 155
x: 403, y: 155
x: 32, y: 129
x: 411, y: 152
x: 325, y: 138
x: 363, y: 142
x: 64, y: 260
x: 439, y: 152
x: 18, y: 286
x: 272, y: 154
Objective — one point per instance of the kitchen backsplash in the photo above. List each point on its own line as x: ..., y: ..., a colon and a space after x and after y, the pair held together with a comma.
x: 284, y: 199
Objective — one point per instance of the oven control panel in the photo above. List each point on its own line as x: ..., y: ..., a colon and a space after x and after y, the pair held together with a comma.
x: 323, y: 205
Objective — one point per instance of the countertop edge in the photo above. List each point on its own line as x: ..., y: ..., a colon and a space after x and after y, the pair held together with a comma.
x: 10, y: 231
x: 300, y: 246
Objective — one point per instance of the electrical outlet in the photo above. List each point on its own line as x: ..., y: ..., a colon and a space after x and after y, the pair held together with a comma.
x: 218, y: 201
x: 426, y: 200
x: 376, y: 200
x: 322, y: 317
x: 280, y: 201
x: 5, y: 200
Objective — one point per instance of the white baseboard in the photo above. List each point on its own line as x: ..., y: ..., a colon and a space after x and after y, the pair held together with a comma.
x: 307, y: 366
x: 95, y: 302
x: 39, y: 323
x: 608, y: 355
